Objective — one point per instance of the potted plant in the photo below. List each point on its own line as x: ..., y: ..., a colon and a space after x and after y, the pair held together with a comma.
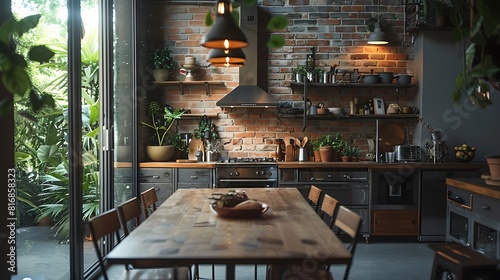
x: 162, y: 63
x: 299, y: 73
x: 338, y: 144
x: 206, y: 129
x: 494, y: 165
x: 347, y: 154
x: 163, y: 150
x: 316, y: 145
x: 355, y: 153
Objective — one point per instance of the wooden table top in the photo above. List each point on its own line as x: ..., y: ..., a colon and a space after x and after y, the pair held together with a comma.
x: 183, y: 231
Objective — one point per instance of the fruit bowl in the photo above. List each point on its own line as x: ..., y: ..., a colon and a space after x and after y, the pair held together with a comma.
x: 465, y: 153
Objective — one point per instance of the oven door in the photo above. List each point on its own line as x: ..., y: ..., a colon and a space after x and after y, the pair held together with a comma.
x: 246, y: 183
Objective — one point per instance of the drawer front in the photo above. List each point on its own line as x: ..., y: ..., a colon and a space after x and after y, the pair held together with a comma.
x: 394, y: 222
x: 193, y: 176
x: 192, y: 186
x: 460, y: 197
x: 163, y: 191
x: 486, y: 207
x: 156, y: 175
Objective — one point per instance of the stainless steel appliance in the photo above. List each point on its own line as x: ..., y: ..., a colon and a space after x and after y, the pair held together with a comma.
x: 407, y: 153
x: 246, y: 173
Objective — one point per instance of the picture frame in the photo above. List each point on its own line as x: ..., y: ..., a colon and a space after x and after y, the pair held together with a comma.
x: 378, y: 106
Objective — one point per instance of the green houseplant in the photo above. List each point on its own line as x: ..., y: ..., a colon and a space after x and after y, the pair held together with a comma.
x: 481, y: 59
x: 161, y: 123
x: 162, y: 63
x: 206, y: 129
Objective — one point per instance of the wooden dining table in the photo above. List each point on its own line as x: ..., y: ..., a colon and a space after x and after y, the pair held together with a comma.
x: 185, y: 231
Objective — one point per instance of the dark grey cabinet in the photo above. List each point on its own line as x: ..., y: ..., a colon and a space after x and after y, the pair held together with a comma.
x: 162, y: 179
x: 189, y: 178
x: 474, y: 221
x: 433, y: 202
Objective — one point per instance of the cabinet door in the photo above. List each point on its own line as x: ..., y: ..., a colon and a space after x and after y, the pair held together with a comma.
x: 156, y: 175
x: 394, y: 222
x: 193, y: 178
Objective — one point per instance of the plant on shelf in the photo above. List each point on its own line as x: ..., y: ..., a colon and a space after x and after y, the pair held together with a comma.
x: 161, y: 123
x: 206, y: 129
x: 162, y: 62
x: 299, y: 73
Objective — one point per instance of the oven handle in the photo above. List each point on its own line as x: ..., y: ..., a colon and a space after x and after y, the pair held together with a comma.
x: 247, y: 180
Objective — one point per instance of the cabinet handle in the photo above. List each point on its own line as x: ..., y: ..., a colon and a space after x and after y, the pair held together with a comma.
x: 194, y: 177
x: 152, y: 176
x: 458, y: 201
x: 486, y: 207
x: 166, y: 174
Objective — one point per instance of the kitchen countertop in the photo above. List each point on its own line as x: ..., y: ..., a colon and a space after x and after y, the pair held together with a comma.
x: 319, y: 164
x: 475, y: 185
x: 374, y: 165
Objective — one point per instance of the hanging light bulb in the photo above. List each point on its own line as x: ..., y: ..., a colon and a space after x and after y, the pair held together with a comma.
x: 224, y: 34
x: 226, y: 58
x: 377, y: 37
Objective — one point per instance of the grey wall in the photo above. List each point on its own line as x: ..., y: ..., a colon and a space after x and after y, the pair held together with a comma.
x: 437, y: 63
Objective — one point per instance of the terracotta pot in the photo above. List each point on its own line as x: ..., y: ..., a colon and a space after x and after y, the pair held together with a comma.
x: 160, y: 153
x: 326, y: 153
x: 317, y: 156
x: 336, y: 156
x: 494, y: 165
x: 346, y: 158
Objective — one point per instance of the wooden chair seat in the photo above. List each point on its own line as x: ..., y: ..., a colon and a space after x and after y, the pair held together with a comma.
x: 107, y: 224
x: 273, y: 273
x: 152, y: 274
x: 149, y: 200
x: 314, y: 197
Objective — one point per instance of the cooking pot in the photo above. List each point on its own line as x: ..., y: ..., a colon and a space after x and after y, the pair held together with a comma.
x: 386, y: 77
x: 370, y: 79
x: 393, y: 109
x: 403, y: 79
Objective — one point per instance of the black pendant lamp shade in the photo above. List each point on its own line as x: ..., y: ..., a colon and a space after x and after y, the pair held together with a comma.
x: 226, y: 58
x: 377, y: 37
x: 224, y: 33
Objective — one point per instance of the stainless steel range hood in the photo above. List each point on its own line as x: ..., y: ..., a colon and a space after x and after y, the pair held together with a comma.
x: 252, y: 89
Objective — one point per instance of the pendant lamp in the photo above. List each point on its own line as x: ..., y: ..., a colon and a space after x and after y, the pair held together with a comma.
x: 227, y: 58
x: 224, y: 33
x: 377, y: 37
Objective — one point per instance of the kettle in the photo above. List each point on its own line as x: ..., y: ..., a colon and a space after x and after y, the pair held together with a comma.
x: 393, y: 109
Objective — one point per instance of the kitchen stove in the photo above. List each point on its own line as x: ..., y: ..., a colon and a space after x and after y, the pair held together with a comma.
x: 246, y: 173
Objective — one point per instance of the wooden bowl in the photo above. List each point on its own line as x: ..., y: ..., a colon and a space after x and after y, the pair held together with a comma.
x: 323, y: 111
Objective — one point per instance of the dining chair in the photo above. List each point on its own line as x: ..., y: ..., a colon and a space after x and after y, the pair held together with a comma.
x: 349, y: 223
x: 129, y: 213
x: 107, y: 224
x: 149, y: 199
x: 314, y: 197
x: 328, y: 207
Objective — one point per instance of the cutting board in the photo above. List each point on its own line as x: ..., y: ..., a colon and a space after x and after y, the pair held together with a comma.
x: 194, y: 146
x: 186, y: 160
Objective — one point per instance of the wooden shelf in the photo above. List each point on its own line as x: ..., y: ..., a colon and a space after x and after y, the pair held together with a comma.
x: 195, y: 116
x: 353, y: 85
x: 181, y: 84
x: 349, y: 117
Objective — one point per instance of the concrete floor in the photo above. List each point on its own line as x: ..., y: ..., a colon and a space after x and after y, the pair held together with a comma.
x: 42, y: 257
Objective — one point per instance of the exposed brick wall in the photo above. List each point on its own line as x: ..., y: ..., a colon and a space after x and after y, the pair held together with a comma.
x: 338, y: 31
